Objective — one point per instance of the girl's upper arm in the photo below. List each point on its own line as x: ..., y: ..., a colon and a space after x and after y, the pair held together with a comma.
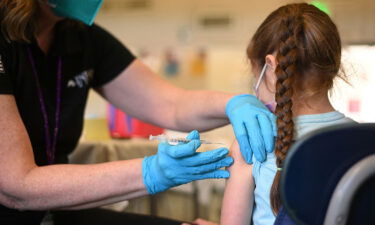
x: 238, y: 194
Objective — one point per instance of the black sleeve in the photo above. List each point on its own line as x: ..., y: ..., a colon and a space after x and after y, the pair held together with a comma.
x: 6, y: 86
x: 110, y: 55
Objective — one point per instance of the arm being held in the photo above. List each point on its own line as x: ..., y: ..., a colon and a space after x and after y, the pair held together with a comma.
x: 238, y: 199
x: 238, y: 195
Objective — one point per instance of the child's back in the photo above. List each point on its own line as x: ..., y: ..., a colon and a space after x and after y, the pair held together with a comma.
x: 264, y: 173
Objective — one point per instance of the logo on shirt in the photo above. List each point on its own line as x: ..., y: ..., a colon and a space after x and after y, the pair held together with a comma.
x: 2, y: 70
x: 81, y: 80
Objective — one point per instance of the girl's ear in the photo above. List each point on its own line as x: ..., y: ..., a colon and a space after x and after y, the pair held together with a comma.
x: 270, y: 73
x: 271, y: 62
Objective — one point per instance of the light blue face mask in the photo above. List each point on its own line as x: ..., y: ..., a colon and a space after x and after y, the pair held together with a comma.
x: 82, y: 10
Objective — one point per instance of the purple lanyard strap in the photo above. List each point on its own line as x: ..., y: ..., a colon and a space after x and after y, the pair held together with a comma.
x: 50, y: 142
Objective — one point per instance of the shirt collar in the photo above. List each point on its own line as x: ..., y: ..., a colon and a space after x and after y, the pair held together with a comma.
x: 68, y: 38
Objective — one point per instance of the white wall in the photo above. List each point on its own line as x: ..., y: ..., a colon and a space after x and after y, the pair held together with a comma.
x: 358, y: 62
x: 165, y: 20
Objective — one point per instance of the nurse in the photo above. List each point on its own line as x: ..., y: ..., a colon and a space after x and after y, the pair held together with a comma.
x: 51, y: 54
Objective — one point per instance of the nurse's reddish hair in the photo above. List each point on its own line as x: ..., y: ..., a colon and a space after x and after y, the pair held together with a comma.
x: 18, y: 19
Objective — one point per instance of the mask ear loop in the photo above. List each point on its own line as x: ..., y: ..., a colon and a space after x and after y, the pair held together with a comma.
x: 261, y: 77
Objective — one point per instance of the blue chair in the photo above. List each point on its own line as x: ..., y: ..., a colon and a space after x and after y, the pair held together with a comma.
x: 329, y: 178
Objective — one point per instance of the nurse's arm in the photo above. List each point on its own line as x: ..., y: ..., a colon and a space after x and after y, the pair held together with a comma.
x: 238, y: 198
x: 26, y: 186
x: 145, y: 95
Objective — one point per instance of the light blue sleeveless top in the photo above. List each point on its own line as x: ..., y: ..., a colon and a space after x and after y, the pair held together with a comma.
x: 264, y: 173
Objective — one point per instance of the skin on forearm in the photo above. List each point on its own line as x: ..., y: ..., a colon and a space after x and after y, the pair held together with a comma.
x: 107, y: 201
x: 201, y: 110
x: 83, y: 186
x: 141, y: 93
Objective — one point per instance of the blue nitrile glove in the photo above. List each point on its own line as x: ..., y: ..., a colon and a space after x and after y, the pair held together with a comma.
x: 254, y: 126
x: 174, y: 165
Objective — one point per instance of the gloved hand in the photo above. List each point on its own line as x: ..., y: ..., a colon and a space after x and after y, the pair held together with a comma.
x: 254, y: 126
x: 181, y: 164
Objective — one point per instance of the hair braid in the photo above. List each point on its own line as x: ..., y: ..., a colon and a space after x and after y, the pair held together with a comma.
x: 286, y: 72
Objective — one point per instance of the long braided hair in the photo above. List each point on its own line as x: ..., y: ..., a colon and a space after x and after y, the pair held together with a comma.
x: 308, y: 54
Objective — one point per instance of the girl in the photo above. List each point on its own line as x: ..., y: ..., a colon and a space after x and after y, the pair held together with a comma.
x: 296, y: 52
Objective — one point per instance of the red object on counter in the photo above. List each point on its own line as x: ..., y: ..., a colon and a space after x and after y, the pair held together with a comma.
x: 122, y: 125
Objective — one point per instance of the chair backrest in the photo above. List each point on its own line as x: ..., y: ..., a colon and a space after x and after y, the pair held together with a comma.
x: 345, y: 191
x: 315, y: 165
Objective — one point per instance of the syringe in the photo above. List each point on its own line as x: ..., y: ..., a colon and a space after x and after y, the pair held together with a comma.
x: 176, y: 141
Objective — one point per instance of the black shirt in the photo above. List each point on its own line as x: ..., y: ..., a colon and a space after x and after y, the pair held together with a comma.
x: 91, y: 57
